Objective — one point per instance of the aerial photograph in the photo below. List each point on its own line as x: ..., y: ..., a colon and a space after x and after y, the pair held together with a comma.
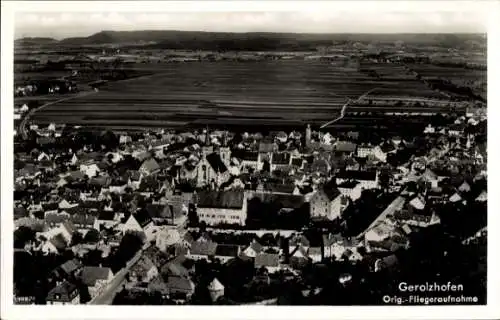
x: 249, y: 158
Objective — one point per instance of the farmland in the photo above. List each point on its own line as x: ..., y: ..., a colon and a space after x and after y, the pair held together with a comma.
x: 265, y: 93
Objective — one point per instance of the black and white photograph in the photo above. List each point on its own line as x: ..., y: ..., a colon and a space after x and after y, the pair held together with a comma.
x: 247, y: 157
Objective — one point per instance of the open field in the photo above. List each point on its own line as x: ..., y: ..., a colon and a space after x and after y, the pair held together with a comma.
x: 266, y: 93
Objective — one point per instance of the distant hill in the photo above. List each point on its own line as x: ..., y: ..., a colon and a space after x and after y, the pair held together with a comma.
x: 35, y: 41
x: 197, y: 40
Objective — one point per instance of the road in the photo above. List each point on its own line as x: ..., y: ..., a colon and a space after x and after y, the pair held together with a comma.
x: 24, y: 122
x: 344, y: 107
x: 106, y: 297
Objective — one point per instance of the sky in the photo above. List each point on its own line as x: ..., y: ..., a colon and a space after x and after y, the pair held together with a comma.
x: 77, y: 24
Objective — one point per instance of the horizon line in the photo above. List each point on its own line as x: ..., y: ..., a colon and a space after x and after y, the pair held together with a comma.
x: 24, y: 36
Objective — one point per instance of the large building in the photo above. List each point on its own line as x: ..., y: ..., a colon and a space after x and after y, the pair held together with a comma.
x: 326, y: 203
x: 216, y: 207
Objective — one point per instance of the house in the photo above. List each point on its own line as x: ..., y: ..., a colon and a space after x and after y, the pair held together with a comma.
x: 66, y: 205
x: 96, y: 278
x: 429, y: 129
x: 367, y: 179
x: 149, y: 166
x: 455, y: 197
x: 216, y: 207
x: 166, y: 238
x: 70, y: 268
x: 352, y: 255
x: 202, y: 250
x: 326, y: 202
x: 266, y: 150
x: 315, y: 254
x: 345, y: 148
x: 177, y: 268
x: 351, y: 189
x: 211, y: 168
x: 216, y: 289
x: 385, y: 263
x: 140, y: 222
x: 483, y: 197
x: 464, y: 187
x: 269, y: 261
x: 106, y: 219
x: 124, y: 139
x: 54, y: 245
x: 321, y: 166
x: 226, y: 252
x: 180, y: 287
x: 64, y: 293
x: 364, y: 151
x: 430, y: 177
x: 380, y: 232
x: 90, y: 170
x: 248, y: 159
x: 331, y: 245
x: 253, y: 249
x: 280, y: 161
x: 299, y: 257
x: 83, y: 222
x: 143, y: 271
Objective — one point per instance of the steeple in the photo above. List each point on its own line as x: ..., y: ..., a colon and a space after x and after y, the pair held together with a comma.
x: 308, y: 135
x: 207, y: 137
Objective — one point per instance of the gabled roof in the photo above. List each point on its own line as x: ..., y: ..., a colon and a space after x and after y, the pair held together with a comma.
x: 357, y: 175
x: 299, y: 240
x: 267, y: 260
x: 179, y: 283
x: 50, y: 206
x: 175, y: 268
x: 106, y: 215
x: 157, y: 210
x: 348, y: 184
x: 91, y: 274
x: 215, y: 285
x: 330, y: 190
x: 71, y: 265
x: 143, y: 266
x: 203, y: 248
x: 267, y: 147
x: 58, y: 241
x: 216, y: 163
x: 245, y: 155
x: 482, y: 197
x: 281, y: 158
x: 455, y: 198
x: 65, y: 292
x: 418, y: 203
x: 289, y: 201
x: 221, y: 199
x: 20, y: 212
x: 150, y: 165
x: 343, y: 146
x: 68, y: 225
x: 142, y: 218
x: 54, y: 218
x: 227, y: 250
x: 85, y: 220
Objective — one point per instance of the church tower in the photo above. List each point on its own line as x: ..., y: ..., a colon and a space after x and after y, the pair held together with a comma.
x: 308, y: 135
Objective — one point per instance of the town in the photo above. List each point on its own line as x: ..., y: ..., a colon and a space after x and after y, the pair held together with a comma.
x: 213, y: 216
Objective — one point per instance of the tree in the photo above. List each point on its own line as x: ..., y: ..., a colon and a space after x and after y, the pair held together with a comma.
x: 23, y: 235
x: 385, y: 179
x: 92, y: 236
x: 76, y: 238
